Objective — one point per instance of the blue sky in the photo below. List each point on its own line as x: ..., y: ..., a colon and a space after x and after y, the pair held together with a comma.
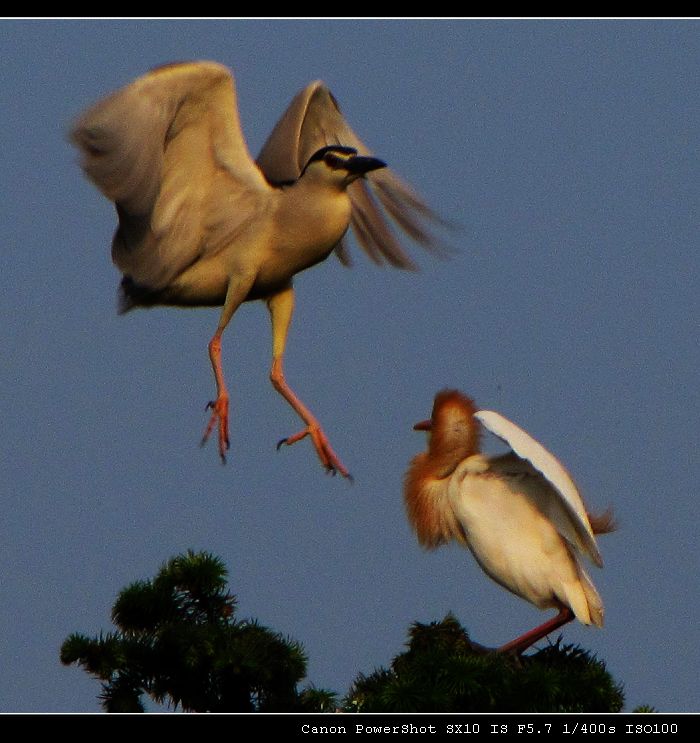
x: 568, y: 154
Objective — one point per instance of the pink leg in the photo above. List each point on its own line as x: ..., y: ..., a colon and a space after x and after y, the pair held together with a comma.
x: 522, y: 643
x: 236, y: 292
x: 281, y: 306
x: 329, y: 459
x: 220, y: 405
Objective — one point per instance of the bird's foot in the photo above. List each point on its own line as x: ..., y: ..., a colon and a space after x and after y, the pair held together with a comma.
x: 329, y: 459
x: 219, y: 416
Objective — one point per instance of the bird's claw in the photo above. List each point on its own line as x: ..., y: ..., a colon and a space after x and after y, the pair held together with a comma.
x: 219, y: 408
x: 329, y: 459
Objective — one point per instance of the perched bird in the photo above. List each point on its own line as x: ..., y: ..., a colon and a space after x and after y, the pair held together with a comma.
x: 202, y: 224
x: 519, y: 513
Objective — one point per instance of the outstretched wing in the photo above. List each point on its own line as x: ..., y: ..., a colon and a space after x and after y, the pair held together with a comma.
x: 551, y: 468
x: 313, y: 120
x: 169, y: 151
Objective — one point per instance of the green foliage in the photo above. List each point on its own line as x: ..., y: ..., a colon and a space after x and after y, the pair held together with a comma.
x: 178, y: 641
x: 317, y: 700
x: 443, y: 671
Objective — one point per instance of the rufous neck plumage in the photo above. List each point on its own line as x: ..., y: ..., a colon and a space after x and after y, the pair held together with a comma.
x: 454, y: 436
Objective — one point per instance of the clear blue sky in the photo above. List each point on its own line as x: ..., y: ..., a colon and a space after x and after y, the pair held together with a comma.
x: 569, y: 154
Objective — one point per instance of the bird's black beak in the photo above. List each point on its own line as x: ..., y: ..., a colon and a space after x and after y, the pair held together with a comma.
x: 361, y: 164
x: 424, y: 425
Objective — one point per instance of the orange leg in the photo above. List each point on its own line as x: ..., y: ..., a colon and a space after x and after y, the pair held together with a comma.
x: 219, y: 406
x: 281, y: 307
x: 237, y: 290
x: 522, y: 643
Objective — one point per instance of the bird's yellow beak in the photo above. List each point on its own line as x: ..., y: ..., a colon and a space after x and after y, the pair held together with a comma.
x: 423, y: 425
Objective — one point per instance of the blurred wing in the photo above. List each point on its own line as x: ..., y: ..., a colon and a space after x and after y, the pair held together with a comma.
x: 313, y: 120
x: 551, y: 468
x: 169, y: 151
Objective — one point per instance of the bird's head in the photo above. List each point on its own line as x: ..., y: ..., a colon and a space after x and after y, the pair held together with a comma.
x: 454, y: 432
x: 340, y: 165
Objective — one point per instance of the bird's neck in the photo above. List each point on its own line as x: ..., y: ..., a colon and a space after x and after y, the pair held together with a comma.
x: 454, y: 436
x: 428, y: 505
x: 313, y: 217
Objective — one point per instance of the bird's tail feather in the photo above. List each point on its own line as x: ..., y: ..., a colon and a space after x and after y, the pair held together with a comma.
x: 584, y: 600
x: 133, y: 295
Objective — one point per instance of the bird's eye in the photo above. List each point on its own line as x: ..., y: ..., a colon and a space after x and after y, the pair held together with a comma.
x: 333, y: 161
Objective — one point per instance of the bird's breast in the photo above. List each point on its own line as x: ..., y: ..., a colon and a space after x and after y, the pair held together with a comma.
x: 294, y: 234
x: 308, y: 224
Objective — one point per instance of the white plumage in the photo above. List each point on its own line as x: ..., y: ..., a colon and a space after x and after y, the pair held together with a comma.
x: 520, y: 513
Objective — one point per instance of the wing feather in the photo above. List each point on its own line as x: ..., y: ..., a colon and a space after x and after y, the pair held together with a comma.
x: 169, y: 151
x: 550, y: 467
x: 377, y: 238
x: 314, y: 120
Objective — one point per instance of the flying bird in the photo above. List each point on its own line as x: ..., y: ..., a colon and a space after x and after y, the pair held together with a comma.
x: 519, y: 513
x: 200, y: 223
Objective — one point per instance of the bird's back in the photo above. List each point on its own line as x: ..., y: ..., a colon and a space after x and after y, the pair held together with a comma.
x: 514, y: 541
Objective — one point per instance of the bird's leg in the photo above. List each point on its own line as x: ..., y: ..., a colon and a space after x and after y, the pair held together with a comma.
x: 237, y: 290
x: 522, y: 643
x: 219, y: 406
x: 281, y: 306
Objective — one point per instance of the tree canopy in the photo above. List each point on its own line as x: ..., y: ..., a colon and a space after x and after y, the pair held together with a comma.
x: 179, y: 642
x: 442, y: 670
